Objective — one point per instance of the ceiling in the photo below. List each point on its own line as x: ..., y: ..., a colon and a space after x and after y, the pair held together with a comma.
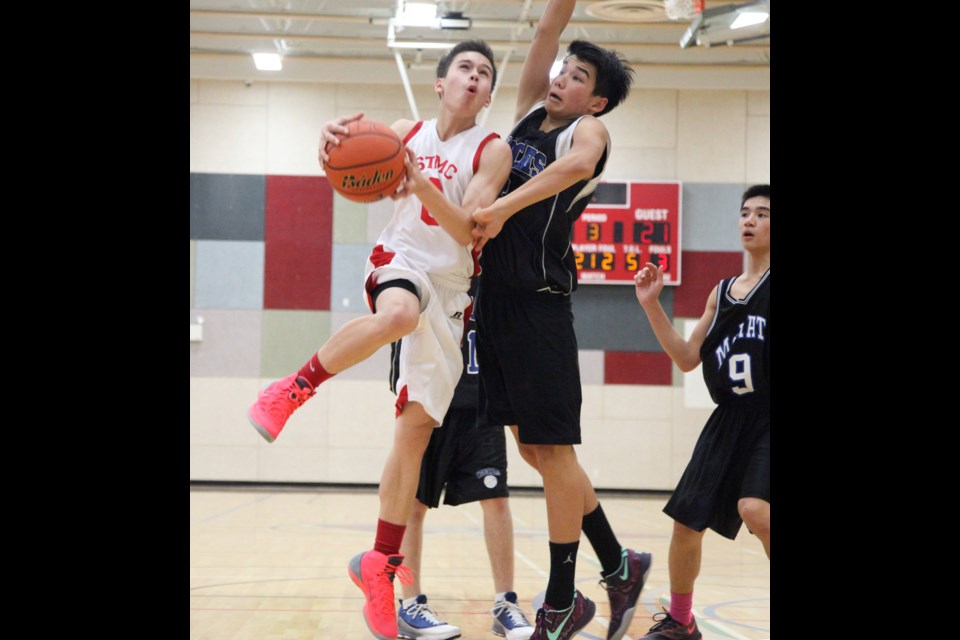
x: 346, y: 41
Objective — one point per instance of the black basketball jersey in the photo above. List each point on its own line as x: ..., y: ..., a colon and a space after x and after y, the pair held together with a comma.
x: 532, y: 251
x: 465, y: 395
x: 735, y: 355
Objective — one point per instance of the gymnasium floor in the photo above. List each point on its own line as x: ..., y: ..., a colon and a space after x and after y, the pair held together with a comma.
x: 270, y: 564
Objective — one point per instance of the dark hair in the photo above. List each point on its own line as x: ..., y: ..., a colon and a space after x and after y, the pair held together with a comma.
x: 614, y: 74
x: 479, y: 46
x: 754, y: 191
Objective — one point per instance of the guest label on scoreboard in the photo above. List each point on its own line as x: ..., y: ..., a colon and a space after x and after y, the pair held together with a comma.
x: 625, y: 226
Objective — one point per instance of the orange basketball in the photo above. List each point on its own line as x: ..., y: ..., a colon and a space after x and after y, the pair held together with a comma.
x: 367, y: 165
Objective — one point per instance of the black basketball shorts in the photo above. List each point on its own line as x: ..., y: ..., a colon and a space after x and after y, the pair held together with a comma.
x: 466, y: 460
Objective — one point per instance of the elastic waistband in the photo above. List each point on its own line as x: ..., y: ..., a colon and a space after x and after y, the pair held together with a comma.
x: 501, y: 289
x: 450, y: 282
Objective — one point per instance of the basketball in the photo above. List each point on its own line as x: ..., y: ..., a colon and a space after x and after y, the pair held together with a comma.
x: 367, y: 165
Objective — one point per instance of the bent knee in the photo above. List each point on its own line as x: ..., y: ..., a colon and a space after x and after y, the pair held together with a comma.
x: 755, y: 514
x: 398, y: 321
x: 684, y: 534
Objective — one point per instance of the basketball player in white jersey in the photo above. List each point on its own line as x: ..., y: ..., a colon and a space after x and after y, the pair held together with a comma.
x: 416, y: 281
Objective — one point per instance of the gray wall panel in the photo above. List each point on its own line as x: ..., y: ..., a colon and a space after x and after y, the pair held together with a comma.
x: 231, y: 344
x: 229, y: 275
x: 609, y: 318
x: 193, y: 270
x: 710, y: 217
x: 227, y: 207
x: 346, y: 278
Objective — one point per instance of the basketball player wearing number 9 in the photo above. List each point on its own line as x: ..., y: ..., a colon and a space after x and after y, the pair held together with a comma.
x: 738, y: 364
x: 726, y: 482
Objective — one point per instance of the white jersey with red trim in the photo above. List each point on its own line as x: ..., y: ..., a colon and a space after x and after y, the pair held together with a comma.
x: 412, y: 232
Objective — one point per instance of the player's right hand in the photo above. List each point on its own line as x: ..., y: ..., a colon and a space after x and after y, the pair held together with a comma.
x: 330, y: 132
x: 648, y: 283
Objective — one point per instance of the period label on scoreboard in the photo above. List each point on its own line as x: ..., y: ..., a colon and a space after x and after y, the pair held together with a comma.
x: 625, y: 226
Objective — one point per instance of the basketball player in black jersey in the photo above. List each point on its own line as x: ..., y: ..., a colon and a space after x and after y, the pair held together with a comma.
x: 727, y: 481
x: 526, y: 345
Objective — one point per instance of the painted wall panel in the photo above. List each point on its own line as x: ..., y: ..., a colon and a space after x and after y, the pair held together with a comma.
x: 637, y: 368
x: 193, y: 271
x: 650, y: 121
x: 229, y: 275
x: 347, y: 292
x: 758, y: 150
x: 350, y: 220
x: 227, y: 138
x: 290, y: 338
x: 591, y: 366
x: 711, y: 136
x: 295, y: 117
x: 298, y: 236
x: 226, y: 206
x: 231, y: 344
x: 710, y: 215
x: 608, y: 317
x: 702, y: 271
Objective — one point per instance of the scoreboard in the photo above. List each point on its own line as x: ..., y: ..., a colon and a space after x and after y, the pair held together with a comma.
x: 626, y: 225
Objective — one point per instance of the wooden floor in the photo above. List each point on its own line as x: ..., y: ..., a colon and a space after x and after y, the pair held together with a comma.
x: 271, y: 564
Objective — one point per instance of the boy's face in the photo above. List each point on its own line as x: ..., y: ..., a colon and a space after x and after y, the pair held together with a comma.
x: 755, y: 223
x: 468, y: 83
x: 571, y: 92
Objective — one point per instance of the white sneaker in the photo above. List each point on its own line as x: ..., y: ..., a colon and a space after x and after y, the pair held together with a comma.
x: 508, y: 619
x: 419, y: 621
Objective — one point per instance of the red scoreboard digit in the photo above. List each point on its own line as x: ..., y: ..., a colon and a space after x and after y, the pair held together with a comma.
x: 626, y: 225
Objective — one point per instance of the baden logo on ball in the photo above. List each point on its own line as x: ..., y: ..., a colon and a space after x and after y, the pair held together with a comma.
x: 367, y: 165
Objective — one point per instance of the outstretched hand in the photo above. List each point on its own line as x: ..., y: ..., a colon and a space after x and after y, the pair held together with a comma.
x: 648, y: 283
x: 329, y: 134
x: 488, y: 224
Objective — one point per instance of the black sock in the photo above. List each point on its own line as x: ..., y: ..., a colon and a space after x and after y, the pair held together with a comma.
x: 563, y: 566
x: 603, y: 540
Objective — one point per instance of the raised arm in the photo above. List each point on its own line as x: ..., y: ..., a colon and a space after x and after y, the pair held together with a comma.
x: 535, y: 74
x: 589, y: 143
x: 648, y: 283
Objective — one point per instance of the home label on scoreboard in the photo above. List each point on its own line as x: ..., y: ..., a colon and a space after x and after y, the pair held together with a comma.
x: 625, y: 226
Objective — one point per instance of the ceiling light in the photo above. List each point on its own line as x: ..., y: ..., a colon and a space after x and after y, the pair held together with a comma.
x: 454, y: 20
x: 417, y: 14
x: 748, y: 19
x: 729, y: 24
x: 417, y: 44
x: 268, y: 61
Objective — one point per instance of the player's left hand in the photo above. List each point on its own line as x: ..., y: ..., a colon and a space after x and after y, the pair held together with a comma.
x: 413, y: 181
x: 488, y: 223
x: 479, y: 240
x: 332, y: 132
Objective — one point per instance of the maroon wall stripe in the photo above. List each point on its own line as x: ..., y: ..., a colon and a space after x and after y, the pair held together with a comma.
x: 637, y: 367
x: 702, y: 270
x: 298, y: 239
